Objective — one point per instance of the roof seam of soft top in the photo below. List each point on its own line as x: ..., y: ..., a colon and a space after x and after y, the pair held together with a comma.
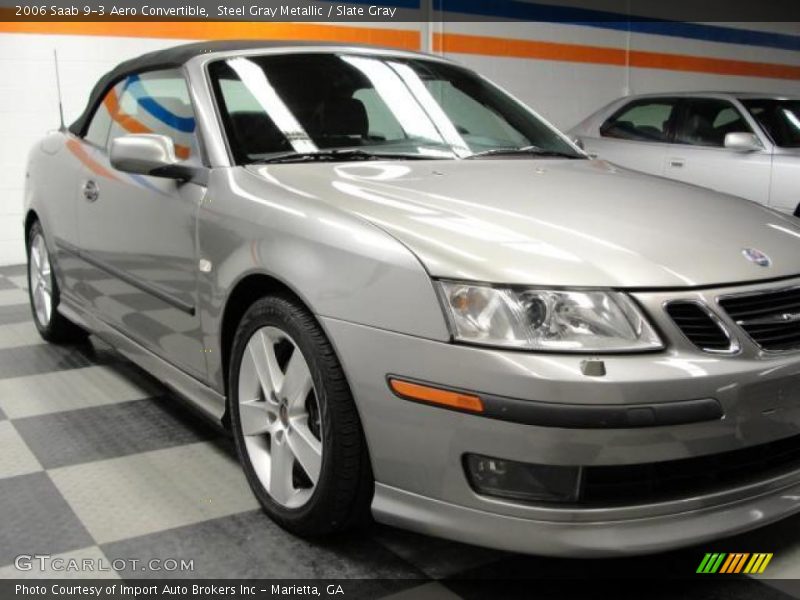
x: 177, y: 56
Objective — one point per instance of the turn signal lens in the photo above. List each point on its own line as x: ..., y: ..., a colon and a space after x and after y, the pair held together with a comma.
x: 432, y: 395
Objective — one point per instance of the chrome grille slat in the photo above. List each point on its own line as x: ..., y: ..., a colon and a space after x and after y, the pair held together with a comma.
x: 771, y: 318
x: 700, y: 326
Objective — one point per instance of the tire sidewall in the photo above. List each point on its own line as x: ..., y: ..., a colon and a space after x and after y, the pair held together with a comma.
x: 44, y: 330
x: 280, y: 313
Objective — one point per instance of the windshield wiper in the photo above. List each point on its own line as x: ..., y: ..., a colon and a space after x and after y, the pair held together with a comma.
x: 528, y: 150
x: 341, y: 155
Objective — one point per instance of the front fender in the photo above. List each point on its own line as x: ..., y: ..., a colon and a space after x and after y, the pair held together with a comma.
x: 341, y: 266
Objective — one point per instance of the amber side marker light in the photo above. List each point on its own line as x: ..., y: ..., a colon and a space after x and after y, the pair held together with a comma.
x: 438, y: 396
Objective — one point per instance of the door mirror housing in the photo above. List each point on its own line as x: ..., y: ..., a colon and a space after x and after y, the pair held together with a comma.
x: 150, y: 154
x: 743, y: 142
x: 142, y: 153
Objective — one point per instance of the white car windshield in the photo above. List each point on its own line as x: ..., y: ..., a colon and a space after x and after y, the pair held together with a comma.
x: 779, y: 118
x: 355, y: 106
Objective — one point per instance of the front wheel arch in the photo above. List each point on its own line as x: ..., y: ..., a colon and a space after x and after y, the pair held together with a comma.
x: 30, y: 218
x: 244, y: 294
x: 343, y: 500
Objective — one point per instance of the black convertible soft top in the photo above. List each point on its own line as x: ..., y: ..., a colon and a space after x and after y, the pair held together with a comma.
x: 175, y: 57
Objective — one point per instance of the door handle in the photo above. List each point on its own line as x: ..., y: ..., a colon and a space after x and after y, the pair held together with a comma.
x: 676, y: 162
x: 90, y: 191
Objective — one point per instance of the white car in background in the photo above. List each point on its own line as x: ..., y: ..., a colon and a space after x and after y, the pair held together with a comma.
x: 747, y: 145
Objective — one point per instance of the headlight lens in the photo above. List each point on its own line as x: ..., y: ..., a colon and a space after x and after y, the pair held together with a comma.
x: 554, y: 320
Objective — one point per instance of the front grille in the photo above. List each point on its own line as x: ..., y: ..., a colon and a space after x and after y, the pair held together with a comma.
x: 623, y: 484
x: 697, y: 324
x: 771, y: 319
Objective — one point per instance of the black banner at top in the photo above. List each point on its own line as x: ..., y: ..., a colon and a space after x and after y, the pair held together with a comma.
x: 640, y: 14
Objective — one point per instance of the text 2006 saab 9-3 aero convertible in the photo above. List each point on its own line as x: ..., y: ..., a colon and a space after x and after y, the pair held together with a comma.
x: 408, y: 296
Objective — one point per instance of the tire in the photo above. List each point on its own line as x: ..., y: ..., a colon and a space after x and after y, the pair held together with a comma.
x: 44, y: 294
x: 272, y: 415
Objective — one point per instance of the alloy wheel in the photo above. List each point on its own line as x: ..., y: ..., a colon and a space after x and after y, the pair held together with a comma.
x: 41, y: 280
x: 279, y: 416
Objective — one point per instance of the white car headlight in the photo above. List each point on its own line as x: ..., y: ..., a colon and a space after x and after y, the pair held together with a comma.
x: 551, y: 320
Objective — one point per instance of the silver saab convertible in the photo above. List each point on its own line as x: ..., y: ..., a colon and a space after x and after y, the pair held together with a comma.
x: 407, y: 295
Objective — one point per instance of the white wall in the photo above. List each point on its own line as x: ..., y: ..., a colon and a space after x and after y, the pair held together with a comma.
x: 564, y: 92
x: 29, y: 106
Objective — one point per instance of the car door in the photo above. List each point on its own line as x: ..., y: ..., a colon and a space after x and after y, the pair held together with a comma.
x: 779, y: 119
x: 636, y: 135
x: 699, y: 156
x: 785, y: 187
x: 137, y: 233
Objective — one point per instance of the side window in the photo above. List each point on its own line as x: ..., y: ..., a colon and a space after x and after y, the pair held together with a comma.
x: 642, y: 120
x: 706, y: 122
x: 151, y: 102
x: 99, y: 126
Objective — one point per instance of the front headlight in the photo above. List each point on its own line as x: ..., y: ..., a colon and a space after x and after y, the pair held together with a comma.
x: 541, y: 319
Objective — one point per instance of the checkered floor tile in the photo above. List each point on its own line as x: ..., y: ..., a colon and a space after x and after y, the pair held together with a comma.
x: 98, y: 460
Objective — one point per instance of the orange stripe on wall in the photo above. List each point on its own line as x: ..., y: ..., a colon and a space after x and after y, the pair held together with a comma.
x: 77, y: 149
x: 491, y: 46
x: 718, y: 66
x: 222, y: 30
x: 132, y: 125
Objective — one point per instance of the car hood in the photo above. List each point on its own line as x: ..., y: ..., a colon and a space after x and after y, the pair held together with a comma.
x: 553, y: 221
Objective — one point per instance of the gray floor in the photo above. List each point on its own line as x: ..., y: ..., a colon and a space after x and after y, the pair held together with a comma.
x: 97, y: 460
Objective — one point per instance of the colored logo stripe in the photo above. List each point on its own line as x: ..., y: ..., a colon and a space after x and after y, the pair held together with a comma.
x: 758, y: 563
x: 129, y: 123
x: 721, y: 562
x: 711, y: 563
x: 734, y: 563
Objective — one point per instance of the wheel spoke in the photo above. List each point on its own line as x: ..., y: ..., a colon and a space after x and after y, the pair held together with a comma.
x: 274, y: 416
x: 262, y: 351
x: 47, y: 304
x: 42, y: 253
x: 280, y: 477
x: 35, y: 258
x: 306, y: 448
x: 256, y: 416
x: 296, y: 383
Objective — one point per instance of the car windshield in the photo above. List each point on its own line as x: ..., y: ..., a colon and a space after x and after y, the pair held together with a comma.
x: 779, y: 118
x: 312, y: 106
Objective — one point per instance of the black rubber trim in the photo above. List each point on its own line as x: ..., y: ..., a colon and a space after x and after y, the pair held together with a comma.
x: 127, y: 278
x: 580, y: 416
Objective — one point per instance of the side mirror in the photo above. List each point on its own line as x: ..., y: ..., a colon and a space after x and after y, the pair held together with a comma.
x: 149, y: 154
x: 142, y: 153
x: 743, y: 142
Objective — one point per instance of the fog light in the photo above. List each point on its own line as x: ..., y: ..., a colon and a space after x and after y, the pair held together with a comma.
x: 522, y: 481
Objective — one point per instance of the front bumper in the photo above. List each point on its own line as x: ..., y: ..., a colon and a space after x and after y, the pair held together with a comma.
x: 585, y: 539
x: 417, y: 450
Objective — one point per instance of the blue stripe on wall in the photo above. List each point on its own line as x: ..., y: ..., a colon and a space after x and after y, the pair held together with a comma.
x: 177, y: 122
x: 529, y: 11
